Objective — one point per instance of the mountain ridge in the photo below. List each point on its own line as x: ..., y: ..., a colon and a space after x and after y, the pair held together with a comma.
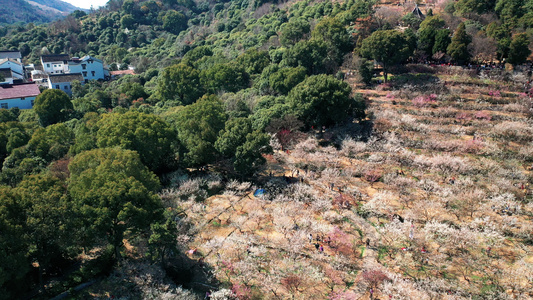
x: 36, y: 11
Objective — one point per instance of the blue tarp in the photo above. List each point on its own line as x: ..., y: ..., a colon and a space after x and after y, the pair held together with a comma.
x: 259, y: 192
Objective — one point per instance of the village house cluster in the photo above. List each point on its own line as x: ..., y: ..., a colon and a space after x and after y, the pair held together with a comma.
x: 20, y: 85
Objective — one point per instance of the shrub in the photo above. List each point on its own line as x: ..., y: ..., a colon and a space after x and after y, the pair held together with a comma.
x: 482, y: 115
x: 425, y: 100
x: 514, y: 131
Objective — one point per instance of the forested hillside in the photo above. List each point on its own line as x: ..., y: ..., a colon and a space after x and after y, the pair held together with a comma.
x: 38, y: 11
x: 275, y: 150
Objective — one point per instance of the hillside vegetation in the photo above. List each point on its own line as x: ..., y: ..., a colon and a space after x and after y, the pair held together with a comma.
x: 275, y: 150
x: 38, y: 11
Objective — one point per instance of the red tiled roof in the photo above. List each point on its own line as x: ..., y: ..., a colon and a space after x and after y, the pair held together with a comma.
x: 123, y: 72
x: 18, y: 90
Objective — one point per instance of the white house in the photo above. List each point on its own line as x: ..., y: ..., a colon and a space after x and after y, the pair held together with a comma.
x: 16, y: 67
x: 55, y: 64
x: 4, y: 54
x: 90, y: 67
x: 18, y: 95
x: 64, y: 82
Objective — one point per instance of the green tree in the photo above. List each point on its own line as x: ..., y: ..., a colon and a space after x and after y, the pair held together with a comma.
x: 322, y: 100
x: 254, y: 61
x: 519, y: 49
x: 249, y: 156
x: 365, y: 69
x: 466, y: 7
x: 510, y: 10
x: 8, y: 115
x: 225, y: 77
x: 14, y: 264
x: 428, y: 32
x: 411, y: 21
x: 16, y: 137
x: 131, y: 91
x: 149, y: 135
x: 19, y: 164
x: 85, y: 132
x: 286, y: 78
x: 501, y: 33
x: 114, y: 195
x: 334, y: 34
x: 233, y: 135
x: 389, y: 47
x: 191, y: 57
x: 162, y: 241
x: 458, y: 48
x: 442, y: 41
x: 127, y: 21
x: 276, y: 80
x: 268, y: 108
x: 180, y: 82
x: 52, y: 106
x: 52, y: 142
x: 312, y: 55
x: 12, y: 135
x: 174, y: 21
x: 48, y: 216
x: 293, y: 31
x: 198, y: 126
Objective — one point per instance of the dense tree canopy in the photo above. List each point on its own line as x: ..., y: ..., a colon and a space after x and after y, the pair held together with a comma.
x: 52, y: 142
x: 249, y: 156
x: 293, y: 31
x: 427, y: 34
x: 149, y: 135
x: 174, y: 21
x: 458, y: 48
x: 519, y: 49
x: 311, y: 54
x: 113, y: 192
x: 52, y: 106
x: 233, y: 135
x: 48, y: 219
x: 276, y: 80
x: 322, y: 100
x: 225, y: 77
x: 279, y: 70
x: 198, y: 127
x: 180, y: 82
x: 389, y: 47
x: 14, y: 263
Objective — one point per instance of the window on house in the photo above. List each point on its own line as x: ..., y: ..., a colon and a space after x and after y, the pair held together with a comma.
x: 57, y: 86
x: 32, y: 102
x: 85, y: 74
x: 48, y: 65
x: 66, y: 87
x: 93, y: 73
x: 3, y: 105
x: 84, y: 66
x: 22, y: 98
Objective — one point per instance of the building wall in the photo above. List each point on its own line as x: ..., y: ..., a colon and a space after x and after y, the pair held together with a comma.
x: 64, y: 86
x: 13, y: 66
x: 93, y: 70
x: 25, y: 103
x: 56, y: 67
